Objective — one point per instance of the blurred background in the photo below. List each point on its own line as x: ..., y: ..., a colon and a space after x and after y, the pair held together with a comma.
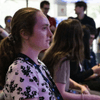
x: 60, y: 9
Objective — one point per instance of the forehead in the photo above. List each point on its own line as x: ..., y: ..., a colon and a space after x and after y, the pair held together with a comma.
x: 42, y: 19
x: 77, y: 7
x: 9, y: 18
x: 45, y: 5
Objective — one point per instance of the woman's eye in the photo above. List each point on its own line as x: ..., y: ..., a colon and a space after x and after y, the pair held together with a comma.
x: 44, y: 27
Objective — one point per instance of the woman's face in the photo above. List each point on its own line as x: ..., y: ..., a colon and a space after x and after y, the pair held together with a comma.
x: 8, y: 22
x: 41, y: 37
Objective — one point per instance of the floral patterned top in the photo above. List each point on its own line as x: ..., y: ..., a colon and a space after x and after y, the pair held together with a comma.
x: 23, y: 81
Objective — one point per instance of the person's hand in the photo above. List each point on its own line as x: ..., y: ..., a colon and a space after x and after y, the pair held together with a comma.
x: 96, y: 69
x: 52, y: 28
x: 85, y: 90
x: 99, y: 65
x: 86, y: 86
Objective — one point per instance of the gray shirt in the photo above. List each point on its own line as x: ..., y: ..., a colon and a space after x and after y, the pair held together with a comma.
x: 62, y: 72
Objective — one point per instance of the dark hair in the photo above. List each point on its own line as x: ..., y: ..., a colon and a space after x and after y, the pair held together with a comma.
x: 6, y: 18
x: 23, y: 20
x: 44, y: 3
x: 86, y: 38
x: 67, y: 42
x: 71, y: 18
x: 98, y: 32
x: 81, y: 4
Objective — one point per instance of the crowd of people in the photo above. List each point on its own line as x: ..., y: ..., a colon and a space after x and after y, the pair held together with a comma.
x: 39, y: 61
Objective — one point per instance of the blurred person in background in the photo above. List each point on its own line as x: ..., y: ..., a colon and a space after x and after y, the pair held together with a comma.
x: 45, y: 6
x: 80, y: 8
x: 8, y: 20
x: 87, y: 72
x: 66, y: 46
x: 92, y: 61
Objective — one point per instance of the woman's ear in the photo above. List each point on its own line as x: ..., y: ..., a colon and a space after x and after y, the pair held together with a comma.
x: 23, y: 34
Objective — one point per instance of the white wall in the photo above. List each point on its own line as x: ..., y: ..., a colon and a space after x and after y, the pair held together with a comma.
x: 9, y: 7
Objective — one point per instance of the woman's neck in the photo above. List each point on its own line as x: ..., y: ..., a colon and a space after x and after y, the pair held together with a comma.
x: 33, y: 54
x: 81, y: 16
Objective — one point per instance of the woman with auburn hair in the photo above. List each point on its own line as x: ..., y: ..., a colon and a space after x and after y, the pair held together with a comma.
x: 27, y: 78
x: 67, y: 45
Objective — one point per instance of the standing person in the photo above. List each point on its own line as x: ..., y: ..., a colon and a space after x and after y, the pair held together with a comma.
x: 8, y: 20
x: 26, y: 77
x: 80, y: 8
x: 67, y: 45
x: 45, y: 6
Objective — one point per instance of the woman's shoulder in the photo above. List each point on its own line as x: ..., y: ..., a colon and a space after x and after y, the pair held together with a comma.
x: 20, y: 65
x: 63, y: 60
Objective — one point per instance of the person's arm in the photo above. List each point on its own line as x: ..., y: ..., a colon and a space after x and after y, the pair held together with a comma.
x: 79, y: 76
x: 32, y: 99
x: 92, y: 22
x: 71, y: 96
x: 96, y: 72
x: 66, y: 95
x: 92, y: 77
x: 94, y: 57
x: 75, y: 85
x: 3, y: 33
x: 1, y: 95
x: 96, y: 69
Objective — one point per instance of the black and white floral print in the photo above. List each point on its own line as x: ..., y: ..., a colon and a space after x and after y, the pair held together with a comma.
x: 23, y: 81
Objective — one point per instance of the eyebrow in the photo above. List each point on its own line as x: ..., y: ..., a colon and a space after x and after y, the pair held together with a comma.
x: 46, y: 25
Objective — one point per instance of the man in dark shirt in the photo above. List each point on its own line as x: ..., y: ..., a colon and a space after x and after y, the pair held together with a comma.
x: 80, y: 8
